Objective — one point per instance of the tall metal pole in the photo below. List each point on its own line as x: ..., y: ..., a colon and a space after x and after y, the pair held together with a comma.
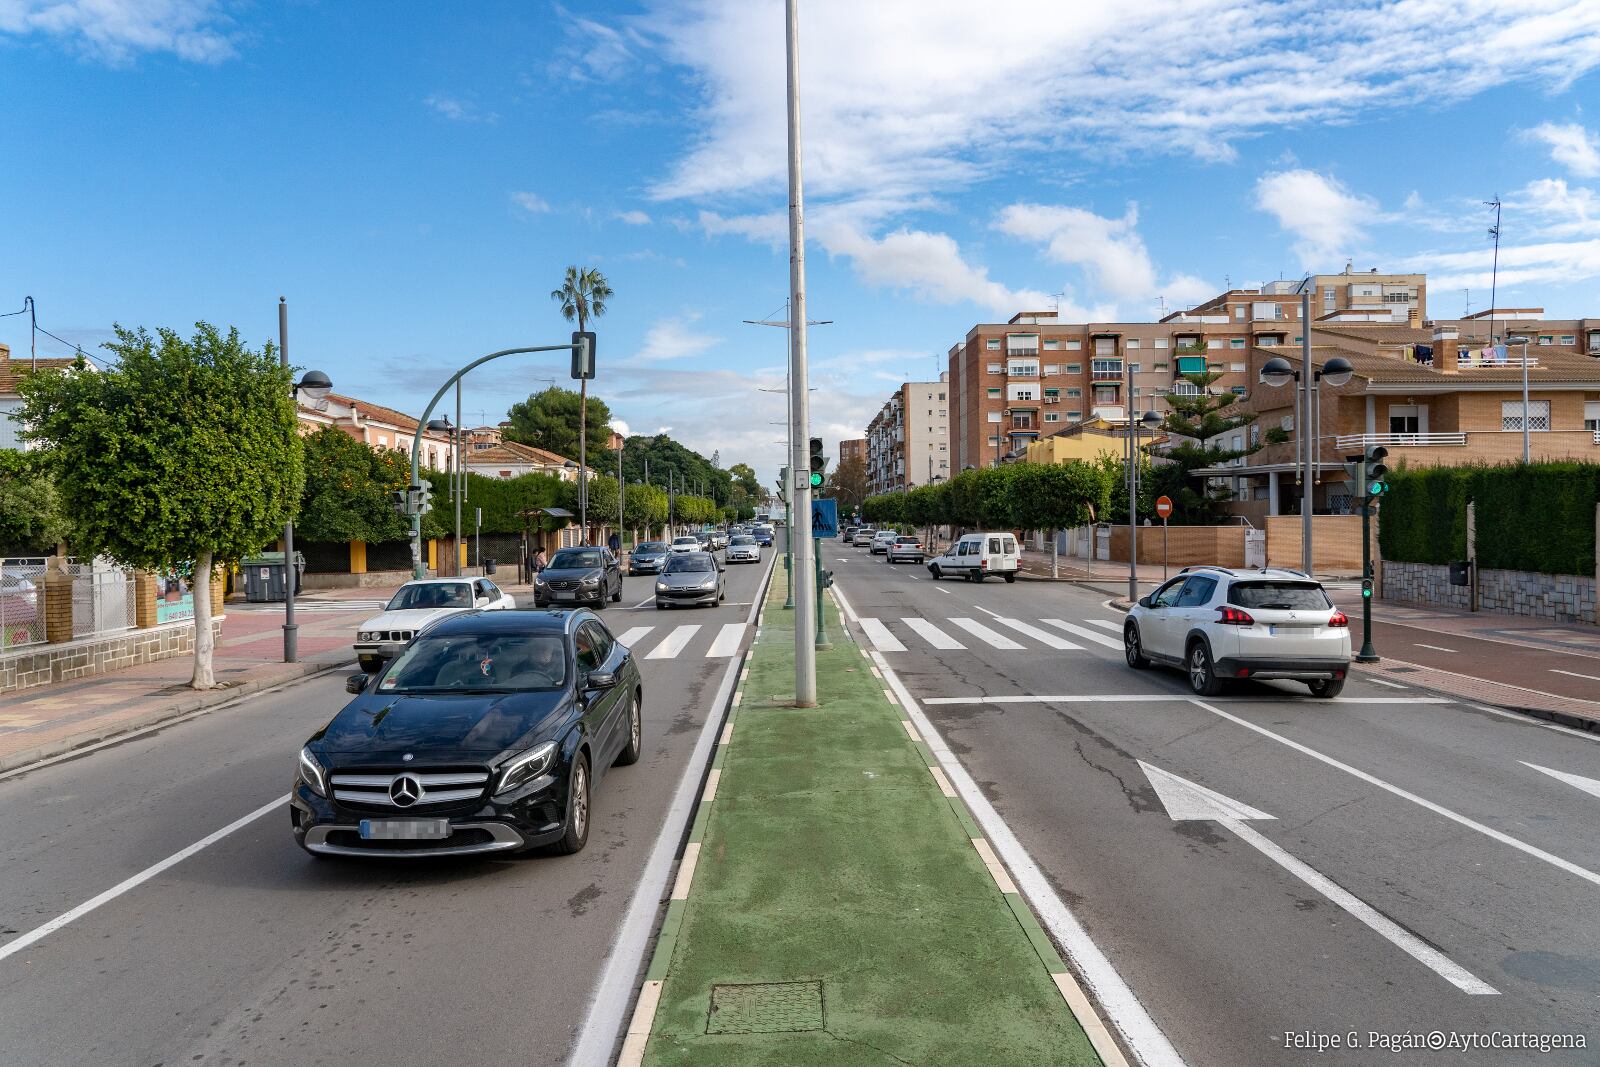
x: 805, y: 653
x: 1307, y: 492
x: 458, y: 482
x: 622, y: 498
x: 291, y: 631
x: 1133, y: 490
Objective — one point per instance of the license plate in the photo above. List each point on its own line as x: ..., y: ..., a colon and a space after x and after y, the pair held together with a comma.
x: 564, y: 596
x: 404, y: 829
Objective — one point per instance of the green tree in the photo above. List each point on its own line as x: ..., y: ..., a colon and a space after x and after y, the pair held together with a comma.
x: 1197, y: 420
x: 348, y: 483
x: 553, y: 418
x: 583, y: 296
x: 1057, y: 496
x: 31, y: 515
x: 848, y: 481
x: 671, y: 461
x: 182, y: 451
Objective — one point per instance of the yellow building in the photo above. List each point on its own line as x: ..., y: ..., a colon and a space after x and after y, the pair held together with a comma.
x: 1085, y: 441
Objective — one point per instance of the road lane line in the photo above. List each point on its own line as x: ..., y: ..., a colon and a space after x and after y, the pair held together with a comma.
x: 879, y: 635
x: 1405, y: 794
x: 1117, y: 1002
x: 1576, y: 781
x: 1575, y: 674
x: 932, y: 634
x: 647, y: 600
x: 1085, y: 633
x: 1391, y: 685
x: 992, y: 638
x: 1112, y: 698
x: 1044, y: 637
x: 673, y: 643
x: 727, y: 641
x: 39, y: 933
x: 1105, y: 623
x: 633, y: 635
x: 1529, y: 720
x: 946, y: 592
x: 1436, y: 648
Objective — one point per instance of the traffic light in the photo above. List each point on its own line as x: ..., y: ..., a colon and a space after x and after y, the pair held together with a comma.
x: 783, y: 484
x: 825, y: 577
x: 424, y: 497
x: 819, y: 462
x: 1366, y: 588
x: 1374, y: 474
x: 397, y: 500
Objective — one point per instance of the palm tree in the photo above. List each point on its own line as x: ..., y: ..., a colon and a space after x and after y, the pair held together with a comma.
x: 583, y: 294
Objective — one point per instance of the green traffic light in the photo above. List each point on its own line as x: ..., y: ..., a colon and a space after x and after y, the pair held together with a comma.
x: 1366, y: 593
x: 816, y: 479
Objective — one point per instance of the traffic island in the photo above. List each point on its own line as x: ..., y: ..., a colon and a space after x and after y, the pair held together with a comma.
x: 837, y: 905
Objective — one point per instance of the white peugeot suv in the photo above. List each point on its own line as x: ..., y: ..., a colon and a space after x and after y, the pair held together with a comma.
x: 1218, y: 624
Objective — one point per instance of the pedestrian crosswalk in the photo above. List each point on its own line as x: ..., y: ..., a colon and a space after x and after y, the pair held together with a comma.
x: 675, y: 642
x: 906, y: 634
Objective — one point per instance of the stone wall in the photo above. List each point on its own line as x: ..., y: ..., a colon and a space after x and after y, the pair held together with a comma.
x: 1558, y: 597
x: 43, y: 664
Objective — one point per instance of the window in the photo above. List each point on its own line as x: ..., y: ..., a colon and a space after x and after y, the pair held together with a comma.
x: 1568, y: 339
x: 1137, y: 391
x: 1236, y: 368
x: 942, y: 414
x: 1022, y: 421
x: 1327, y: 299
x: 1213, y: 366
x: 994, y: 440
x: 1161, y: 342
x: 994, y: 368
x: 1105, y: 346
x: 1023, y: 392
x: 1074, y: 368
x: 1185, y: 388
x: 1538, y: 415
x: 1404, y: 418
x: 1073, y: 346
x: 1591, y: 415
x: 1107, y: 368
x: 1237, y: 390
x: 1075, y: 415
x: 1132, y: 342
x: 1022, y: 368
x: 1134, y: 367
x: 941, y: 396
x: 1052, y: 368
x: 1397, y: 298
x: 1052, y: 416
x: 1546, y: 339
x: 1159, y: 368
x: 995, y: 392
x: 1052, y: 343
x: 1238, y: 312
x: 1196, y: 592
x: 1074, y: 393
x: 993, y: 344
x: 994, y: 416
x: 1236, y: 342
x: 1105, y: 394
x: 1215, y: 342
x: 941, y: 446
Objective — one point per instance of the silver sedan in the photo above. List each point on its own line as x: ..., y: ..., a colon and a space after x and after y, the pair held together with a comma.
x: 692, y: 578
x: 743, y: 549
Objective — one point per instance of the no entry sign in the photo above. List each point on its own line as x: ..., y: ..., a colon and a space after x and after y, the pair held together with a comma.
x: 1163, y: 506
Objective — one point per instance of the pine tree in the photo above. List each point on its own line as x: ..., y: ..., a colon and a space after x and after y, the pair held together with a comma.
x: 1197, y: 420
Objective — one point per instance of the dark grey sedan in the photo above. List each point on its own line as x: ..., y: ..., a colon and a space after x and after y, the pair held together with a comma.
x: 690, y: 578
x: 589, y: 576
x: 648, y: 557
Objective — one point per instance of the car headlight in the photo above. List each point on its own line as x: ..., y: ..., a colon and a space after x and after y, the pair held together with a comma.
x: 310, y: 772
x: 363, y: 635
x: 520, y: 770
x: 661, y: 587
x: 590, y: 583
x: 709, y: 583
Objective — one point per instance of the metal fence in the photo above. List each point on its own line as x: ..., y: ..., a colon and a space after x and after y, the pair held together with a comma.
x: 103, y: 601
x: 21, y: 604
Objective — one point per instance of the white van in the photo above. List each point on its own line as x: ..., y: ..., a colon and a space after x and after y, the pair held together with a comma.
x: 978, y: 555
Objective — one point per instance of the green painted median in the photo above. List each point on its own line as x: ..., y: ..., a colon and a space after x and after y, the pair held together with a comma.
x: 839, y: 913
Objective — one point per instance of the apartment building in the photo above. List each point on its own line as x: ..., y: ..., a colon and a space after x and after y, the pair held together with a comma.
x: 907, y: 442
x: 853, y: 450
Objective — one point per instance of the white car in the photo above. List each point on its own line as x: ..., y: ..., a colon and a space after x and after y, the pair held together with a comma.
x: 882, y: 540
x: 905, y: 547
x: 686, y: 543
x: 743, y: 549
x: 418, y: 605
x: 1218, y: 624
x: 976, y: 556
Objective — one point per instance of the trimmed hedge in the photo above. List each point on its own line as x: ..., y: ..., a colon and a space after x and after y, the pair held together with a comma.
x: 1537, y: 517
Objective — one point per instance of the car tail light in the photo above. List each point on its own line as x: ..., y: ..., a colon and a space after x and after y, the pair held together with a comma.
x: 1338, y: 618
x: 1232, y: 616
x: 1244, y: 672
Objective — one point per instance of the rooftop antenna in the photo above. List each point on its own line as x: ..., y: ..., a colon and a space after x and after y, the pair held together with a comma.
x: 1161, y: 302
x: 1494, y: 274
x: 1467, y: 293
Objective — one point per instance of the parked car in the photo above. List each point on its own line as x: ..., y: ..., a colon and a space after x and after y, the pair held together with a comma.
x: 487, y: 734
x: 648, y: 557
x: 764, y: 535
x: 587, y: 575
x: 695, y: 578
x: 863, y: 537
x: 1218, y: 624
x: 905, y: 547
x: 743, y: 549
x: 976, y: 556
x: 417, y: 605
x: 881, y: 541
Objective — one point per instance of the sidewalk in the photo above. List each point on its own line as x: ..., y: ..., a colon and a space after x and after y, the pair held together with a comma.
x: 836, y: 904
x: 48, y: 720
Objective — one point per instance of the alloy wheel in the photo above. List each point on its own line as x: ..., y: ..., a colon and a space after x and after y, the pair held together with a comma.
x: 580, y: 800
x: 1199, y: 670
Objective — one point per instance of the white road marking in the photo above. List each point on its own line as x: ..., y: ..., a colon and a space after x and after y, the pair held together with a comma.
x: 1575, y: 674
x: 986, y: 635
x: 1118, y: 1001
x: 727, y: 641
x: 879, y: 635
x: 1438, y: 809
x: 1188, y: 801
x: 932, y: 634
x: 39, y: 933
x: 1044, y: 637
x: 1436, y: 648
x: 1112, y: 698
x: 1085, y: 633
x: 946, y: 592
x: 1529, y: 720
x: 673, y: 643
x: 1391, y: 685
x: 1577, y: 781
x: 647, y: 600
x: 1105, y: 623
x: 633, y: 635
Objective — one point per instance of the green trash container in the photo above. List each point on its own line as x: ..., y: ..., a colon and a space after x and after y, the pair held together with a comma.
x: 264, y: 578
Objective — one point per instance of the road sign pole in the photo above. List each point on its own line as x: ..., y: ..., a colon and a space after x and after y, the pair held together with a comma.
x: 1163, y: 548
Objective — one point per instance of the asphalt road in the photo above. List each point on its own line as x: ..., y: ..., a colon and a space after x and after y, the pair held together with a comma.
x: 249, y: 951
x: 1427, y: 813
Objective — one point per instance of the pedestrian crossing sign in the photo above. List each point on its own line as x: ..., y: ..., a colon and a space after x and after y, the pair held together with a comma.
x: 824, y: 518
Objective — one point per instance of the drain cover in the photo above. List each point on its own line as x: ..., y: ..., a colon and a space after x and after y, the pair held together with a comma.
x: 765, y: 1008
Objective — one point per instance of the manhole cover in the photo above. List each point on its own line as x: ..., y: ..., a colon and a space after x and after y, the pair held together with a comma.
x: 765, y: 1008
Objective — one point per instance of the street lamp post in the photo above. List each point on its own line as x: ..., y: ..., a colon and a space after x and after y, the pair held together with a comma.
x: 1277, y: 372
x: 1150, y: 421
x: 315, y: 385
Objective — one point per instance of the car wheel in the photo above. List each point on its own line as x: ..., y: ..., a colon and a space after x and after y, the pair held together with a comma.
x: 577, y: 834
x: 1011, y: 577
x: 630, y: 753
x: 369, y: 664
x: 600, y: 605
x: 1132, y: 650
x: 616, y: 598
x: 1326, y: 688
x: 933, y: 569
x: 660, y: 606
x: 1202, y: 678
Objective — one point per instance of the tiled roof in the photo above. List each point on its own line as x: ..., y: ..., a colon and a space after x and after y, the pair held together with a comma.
x: 12, y: 371
x: 1382, y: 333
x: 512, y: 452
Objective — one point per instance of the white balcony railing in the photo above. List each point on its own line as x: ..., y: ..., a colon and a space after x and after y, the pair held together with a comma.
x: 1476, y: 363
x: 1401, y: 440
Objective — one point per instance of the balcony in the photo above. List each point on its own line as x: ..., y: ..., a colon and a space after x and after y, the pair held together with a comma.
x: 1364, y: 441
x: 1468, y: 363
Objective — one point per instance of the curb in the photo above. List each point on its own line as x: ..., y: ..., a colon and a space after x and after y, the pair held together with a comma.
x: 176, y: 709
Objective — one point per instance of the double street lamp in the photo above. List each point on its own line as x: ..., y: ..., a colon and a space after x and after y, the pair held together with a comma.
x: 1277, y: 372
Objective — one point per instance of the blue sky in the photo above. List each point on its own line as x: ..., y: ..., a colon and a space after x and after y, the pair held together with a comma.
x: 414, y: 177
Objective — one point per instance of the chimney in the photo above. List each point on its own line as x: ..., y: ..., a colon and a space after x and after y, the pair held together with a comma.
x: 1446, y: 343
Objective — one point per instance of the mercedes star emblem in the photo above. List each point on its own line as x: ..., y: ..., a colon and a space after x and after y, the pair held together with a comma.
x: 406, y: 758
x: 405, y: 791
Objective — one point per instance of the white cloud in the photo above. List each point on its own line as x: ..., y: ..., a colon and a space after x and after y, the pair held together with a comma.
x: 674, y: 338
x: 1570, y: 145
x: 1556, y: 209
x: 1110, y: 250
x: 532, y: 203
x: 634, y: 218
x: 117, y: 31
x: 458, y: 110
x: 594, y: 52
x: 1326, y: 216
x: 621, y: 427
x: 929, y: 265
x: 1543, y: 263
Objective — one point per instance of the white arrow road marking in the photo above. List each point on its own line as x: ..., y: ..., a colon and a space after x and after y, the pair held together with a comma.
x: 1577, y: 781
x: 879, y: 635
x: 1188, y: 801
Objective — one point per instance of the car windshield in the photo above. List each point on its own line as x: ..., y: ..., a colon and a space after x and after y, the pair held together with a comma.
x: 460, y: 663
x: 686, y: 541
x: 696, y: 562
x: 575, y: 559
x: 1287, y: 596
x: 743, y: 539
x: 902, y: 540
x: 431, y: 595
x: 650, y: 547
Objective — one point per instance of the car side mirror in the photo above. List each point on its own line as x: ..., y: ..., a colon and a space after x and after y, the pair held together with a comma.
x: 356, y: 683
x: 601, y: 680
x: 1144, y: 601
